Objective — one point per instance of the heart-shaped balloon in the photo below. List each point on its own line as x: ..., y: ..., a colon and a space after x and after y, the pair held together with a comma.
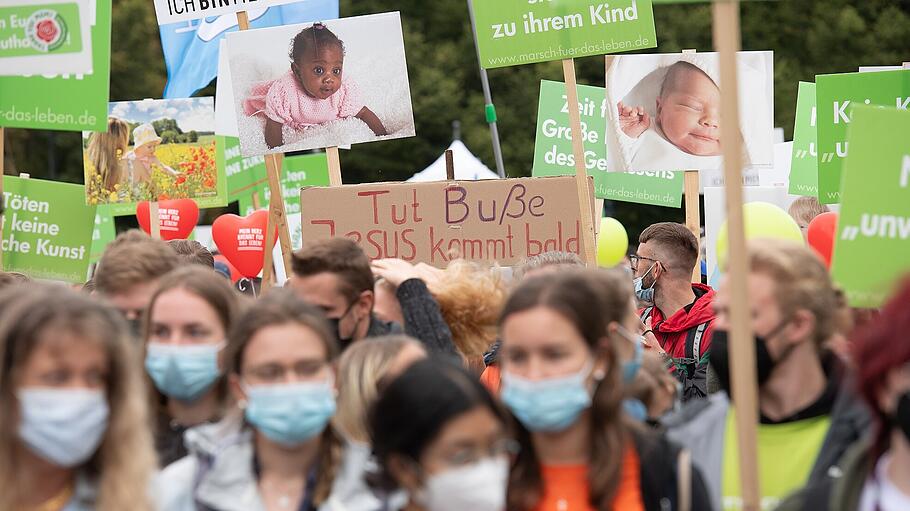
x: 822, y: 235
x: 242, y: 240
x: 176, y: 218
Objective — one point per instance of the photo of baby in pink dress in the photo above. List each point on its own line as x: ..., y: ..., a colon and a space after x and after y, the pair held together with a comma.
x: 312, y: 92
x: 333, y: 85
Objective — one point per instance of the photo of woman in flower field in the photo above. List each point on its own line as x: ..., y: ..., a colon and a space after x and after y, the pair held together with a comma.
x: 152, y: 150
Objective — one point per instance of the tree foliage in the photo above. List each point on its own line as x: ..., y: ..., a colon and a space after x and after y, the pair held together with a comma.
x: 808, y: 37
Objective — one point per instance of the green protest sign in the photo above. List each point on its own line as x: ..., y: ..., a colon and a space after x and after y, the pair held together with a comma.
x: 514, y: 32
x: 296, y: 172
x: 804, y: 162
x: 47, y: 229
x: 39, y: 30
x: 103, y: 233
x: 64, y: 102
x: 836, y: 95
x: 244, y: 175
x: 872, y: 247
x: 553, y: 154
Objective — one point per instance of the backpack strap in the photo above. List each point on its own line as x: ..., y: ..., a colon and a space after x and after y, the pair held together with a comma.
x: 693, y: 348
x: 646, y: 313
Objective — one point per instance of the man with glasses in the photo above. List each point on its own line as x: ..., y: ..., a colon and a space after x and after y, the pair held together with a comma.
x: 335, y: 275
x: 677, y: 314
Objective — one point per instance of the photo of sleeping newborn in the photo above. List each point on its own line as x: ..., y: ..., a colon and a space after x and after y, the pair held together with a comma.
x: 666, y: 111
x: 334, y: 83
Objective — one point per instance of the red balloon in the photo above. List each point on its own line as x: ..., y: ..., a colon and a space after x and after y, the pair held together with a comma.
x: 821, y: 235
x: 242, y: 240
x: 177, y: 218
x: 235, y: 273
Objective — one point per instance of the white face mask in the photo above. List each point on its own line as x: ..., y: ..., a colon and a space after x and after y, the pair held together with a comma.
x: 480, y: 486
x: 63, y: 426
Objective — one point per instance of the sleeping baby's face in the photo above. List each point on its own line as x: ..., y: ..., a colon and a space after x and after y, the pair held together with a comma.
x: 688, y: 112
x: 319, y: 70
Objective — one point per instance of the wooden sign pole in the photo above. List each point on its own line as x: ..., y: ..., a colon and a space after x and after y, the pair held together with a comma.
x: 581, y: 174
x: 155, y: 220
x: 727, y: 37
x: 2, y: 170
x: 450, y: 165
x: 693, y: 215
x: 334, y: 161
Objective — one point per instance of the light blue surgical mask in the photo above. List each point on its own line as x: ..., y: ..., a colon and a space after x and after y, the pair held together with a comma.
x: 630, y: 368
x: 645, y: 295
x: 63, y: 426
x: 183, y: 372
x: 290, y: 413
x: 550, y: 405
x: 635, y: 409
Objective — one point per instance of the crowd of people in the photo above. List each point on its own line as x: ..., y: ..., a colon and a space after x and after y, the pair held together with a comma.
x: 372, y: 386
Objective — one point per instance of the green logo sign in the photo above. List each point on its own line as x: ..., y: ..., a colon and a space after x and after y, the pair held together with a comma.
x: 837, y: 94
x: 47, y: 229
x: 244, y: 175
x: 104, y: 232
x: 553, y: 154
x: 63, y: 102
x: 872, y: 248
x: 514, y: 32
x: 804, y: 162
x: 35, y: 30
x: 296, y: 172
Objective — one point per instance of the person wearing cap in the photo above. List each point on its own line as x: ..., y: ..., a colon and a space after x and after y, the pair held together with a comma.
x: 142, y: 159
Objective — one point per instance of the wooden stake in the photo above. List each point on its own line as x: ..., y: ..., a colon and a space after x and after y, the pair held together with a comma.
x: 267, y: 270
x: 243, y: 20
x: 154, y: 220
x: 693, y: 215
x: 727, y: 37
x: 277, y: 212
x: 334, y: 166
x: 450, y: 165
x: 581, y: 174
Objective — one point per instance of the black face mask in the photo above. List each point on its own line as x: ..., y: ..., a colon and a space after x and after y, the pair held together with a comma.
x: 901, y: 418
x: 764, y: 363
x: 335, y: 324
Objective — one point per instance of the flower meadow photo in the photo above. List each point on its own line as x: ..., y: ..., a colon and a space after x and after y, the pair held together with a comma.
x: 153, y: 150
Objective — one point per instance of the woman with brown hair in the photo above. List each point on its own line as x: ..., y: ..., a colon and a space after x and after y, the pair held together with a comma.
x: 105, y: 152
x: 73, y: 421
x: 562, y: 379
x: 186, y: 330
x: 282, y: 454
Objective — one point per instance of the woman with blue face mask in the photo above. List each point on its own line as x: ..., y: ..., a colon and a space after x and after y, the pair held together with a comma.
x: 73, y: 416
x: 562, y: 378
x: 279, y: 452
x: 439, y: 435
x: 186, y: 331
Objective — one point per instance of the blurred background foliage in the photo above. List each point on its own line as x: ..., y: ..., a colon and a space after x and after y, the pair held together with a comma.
x: 808, y: 37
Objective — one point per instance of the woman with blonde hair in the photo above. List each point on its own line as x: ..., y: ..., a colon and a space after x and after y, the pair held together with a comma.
x: 106, y: 150
x: 362, y: 371
x: 73, y: 419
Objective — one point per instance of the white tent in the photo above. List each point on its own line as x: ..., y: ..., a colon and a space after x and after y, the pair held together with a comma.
x: 467, y: 167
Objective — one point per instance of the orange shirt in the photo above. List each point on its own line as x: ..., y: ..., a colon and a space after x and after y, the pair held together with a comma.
x: 490, y: 378
x: 566, y: 487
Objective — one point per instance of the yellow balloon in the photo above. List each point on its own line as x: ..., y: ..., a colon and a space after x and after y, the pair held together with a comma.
x: 762, y: 220
x: 612, y: 243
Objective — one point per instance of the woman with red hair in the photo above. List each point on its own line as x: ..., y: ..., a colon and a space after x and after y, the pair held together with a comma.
x: 875, y: 474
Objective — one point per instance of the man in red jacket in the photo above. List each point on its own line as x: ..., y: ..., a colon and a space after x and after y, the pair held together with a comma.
x: 678, y: 314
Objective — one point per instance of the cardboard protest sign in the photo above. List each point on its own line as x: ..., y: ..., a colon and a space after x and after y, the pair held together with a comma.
x: 804, y: 169
x: 45, y: 37
x: 515, y: 32
x: 104, y: 232
x: 296, y: 172
x: 47, y: 229
x: 154, y: 150
x: 55, y: 101
x: 347, y: 83
x: 553, y: 150
x: 503, y: 221
x: 664, y: 111
x: 836, y: 95
x: 872, y: 247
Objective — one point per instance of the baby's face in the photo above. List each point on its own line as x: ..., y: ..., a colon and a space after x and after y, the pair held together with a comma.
x: 319, y: 71
x: 147, y: 150
x: 689, y: 115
